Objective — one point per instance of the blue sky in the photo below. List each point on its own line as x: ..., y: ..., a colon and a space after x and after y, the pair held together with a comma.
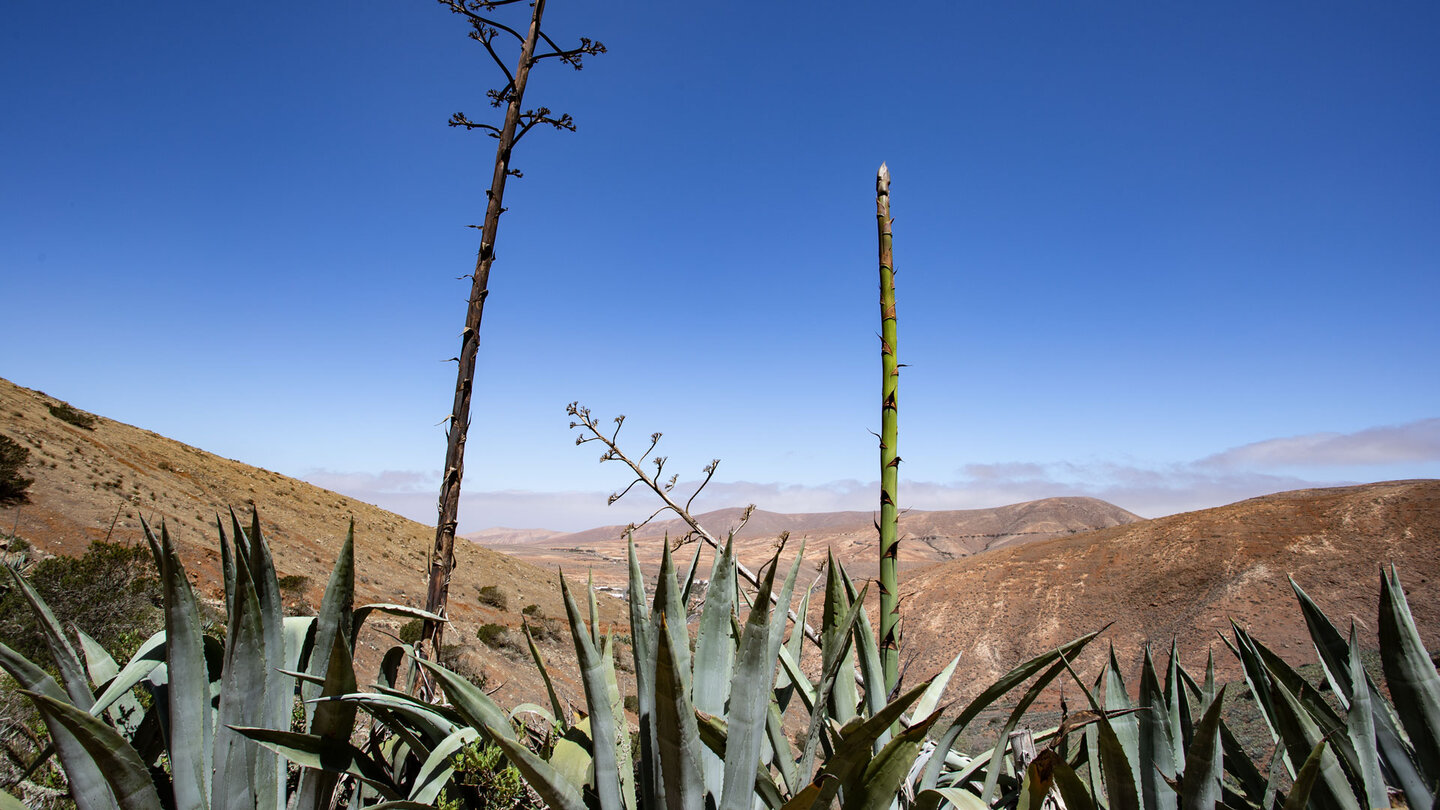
x: 1168, y: 255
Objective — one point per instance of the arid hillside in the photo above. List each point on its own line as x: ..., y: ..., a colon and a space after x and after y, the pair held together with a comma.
x: 998, y: 585
x: 928, y: 537
x: 87, y: 479
x: 1184, y: 577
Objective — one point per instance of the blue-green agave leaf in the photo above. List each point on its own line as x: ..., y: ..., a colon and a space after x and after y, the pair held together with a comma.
x: 843, y: 697
x: 992, y: 771
x: 959, y: 798
x: 190, y: 718
x: 314, y: 751
x: 150, y: 655
x: 124, y: 773
x: 597, y: 700
x: 642, y: 647
x: 994, y: 692
x: 715, y: 655
x: 1395, y: 754
x: 713, y: 734
x: 403, y: 611
x: 332, y: 720
x: 883, y: 774
x: 337, y: 610
x: 557, y: 708
x: 1121, y: 786
x: 677, y: 734
x: 438, y: 767
x: 1410, y: 673
x: 753, y: 690
x: 1300, y: 734
x: 1360, y: 725
x: 124, y: 712
x: 1305, y: 779
x: 557, y: 792
x: 1156, y: 761
x: 836, y: 639
x: 1204, y: 762
x: 72, y: 672
x: 471, y: 702
x: 241, y: 776
x: 87, y: 783
x: 872, y: 674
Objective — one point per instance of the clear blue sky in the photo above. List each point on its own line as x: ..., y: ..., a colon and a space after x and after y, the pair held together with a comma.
x: 1170, y: 255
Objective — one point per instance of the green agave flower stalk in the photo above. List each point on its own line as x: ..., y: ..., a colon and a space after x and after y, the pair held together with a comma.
x: 889, y: 459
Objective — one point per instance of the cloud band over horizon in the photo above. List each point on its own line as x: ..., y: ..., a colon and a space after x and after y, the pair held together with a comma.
x: 1149, y: 490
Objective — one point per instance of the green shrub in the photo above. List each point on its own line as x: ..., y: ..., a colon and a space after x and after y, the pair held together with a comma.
x: 292, y: 594
x: 492, y: 596
x: 65, y: 413
x: 485, y: 780
x: 544, y: 629
x: 411, y: 630
x: 495, y: 636
x: 532, y: 610
x: 13, y: 485
x: 111, y: 592
x: 293, y: 582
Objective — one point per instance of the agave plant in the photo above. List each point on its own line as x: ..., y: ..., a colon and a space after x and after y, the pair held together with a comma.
x: 1376, y: 748
x: 711, y: 722
x: 1172, y: 750
x: 188, y: 748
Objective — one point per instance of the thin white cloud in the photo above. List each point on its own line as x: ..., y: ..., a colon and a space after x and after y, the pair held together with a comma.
x: 414, y: 495
x: 1248, y: 471
x: 1389, y: 444
x: 1144, y: 491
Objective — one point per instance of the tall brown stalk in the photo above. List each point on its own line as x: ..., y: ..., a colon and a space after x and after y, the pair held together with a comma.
x: 486, y: 30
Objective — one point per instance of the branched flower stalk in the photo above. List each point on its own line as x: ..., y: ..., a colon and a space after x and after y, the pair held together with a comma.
x: 535, y: 46
x: 592, y: 432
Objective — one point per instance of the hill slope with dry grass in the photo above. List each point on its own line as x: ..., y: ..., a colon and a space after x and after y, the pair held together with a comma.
x: 1183, y: 577
x: 1000, y: 601
x: 99, y: 481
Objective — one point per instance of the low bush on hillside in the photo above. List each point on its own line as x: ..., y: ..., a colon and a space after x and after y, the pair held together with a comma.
x: 410, y: 631
x: 292, y: 593
x: 492, y: 595
x: 495, y: 636
x: 293, y: 582
x: 111, y: 592
x: 65, y: 413
x: 13, y: 485
x: 543, y: 629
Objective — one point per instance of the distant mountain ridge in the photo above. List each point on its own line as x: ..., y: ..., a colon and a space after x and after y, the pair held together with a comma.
x: 501, y: 535
x: 927, y: 537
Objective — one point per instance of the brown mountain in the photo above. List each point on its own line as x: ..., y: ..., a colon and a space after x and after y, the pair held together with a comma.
x: 1183, y: 577
x: 927, y: 537
x: 502, y: 536
x: 113, y: 473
